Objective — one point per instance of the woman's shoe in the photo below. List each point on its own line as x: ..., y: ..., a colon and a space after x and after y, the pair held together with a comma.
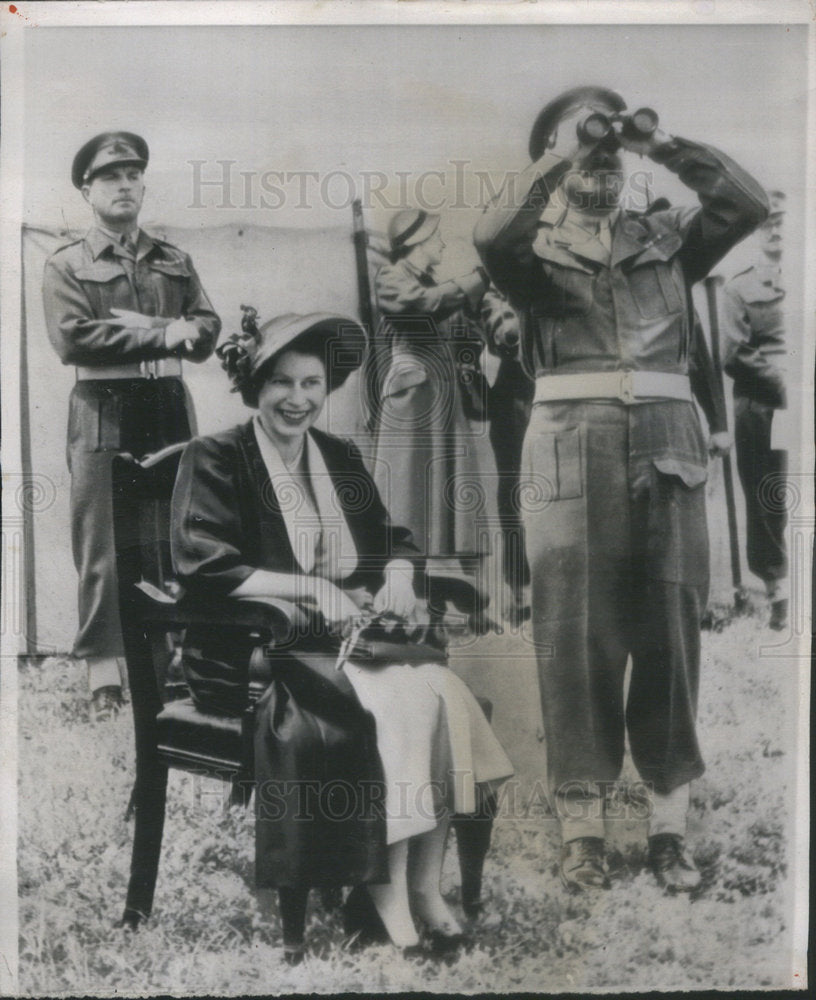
x: 360, y: 918
x: 441, y: 944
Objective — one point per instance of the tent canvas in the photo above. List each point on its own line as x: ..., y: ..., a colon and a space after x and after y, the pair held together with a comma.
x: 274, y: 269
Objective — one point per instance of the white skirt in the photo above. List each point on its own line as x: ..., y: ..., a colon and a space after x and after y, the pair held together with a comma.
x: 435, y: 743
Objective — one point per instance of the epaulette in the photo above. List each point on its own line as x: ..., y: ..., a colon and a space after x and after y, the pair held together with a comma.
x: 166, y: 243
x: 67, y: 246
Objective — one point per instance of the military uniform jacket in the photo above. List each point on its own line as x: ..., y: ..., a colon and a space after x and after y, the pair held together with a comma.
x: 754, y: 353
x: 86, y: 279
x: 632, y: 311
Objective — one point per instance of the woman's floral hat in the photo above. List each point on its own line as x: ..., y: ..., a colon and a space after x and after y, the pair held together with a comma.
x: 244, y: 354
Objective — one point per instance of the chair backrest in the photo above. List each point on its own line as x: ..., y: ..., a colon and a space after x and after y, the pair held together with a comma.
x: 142, y: 492
x: 142, y: 495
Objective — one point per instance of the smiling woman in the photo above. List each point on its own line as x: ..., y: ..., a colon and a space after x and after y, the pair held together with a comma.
x: 290, y: 400
x: 277, y: 510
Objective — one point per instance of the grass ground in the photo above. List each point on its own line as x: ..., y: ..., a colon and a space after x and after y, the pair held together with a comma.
x: 206, y: 935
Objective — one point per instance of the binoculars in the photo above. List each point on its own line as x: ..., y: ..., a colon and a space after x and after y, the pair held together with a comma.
x: 597, y: 127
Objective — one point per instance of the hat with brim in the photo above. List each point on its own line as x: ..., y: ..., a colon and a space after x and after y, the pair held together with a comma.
x: 109, y: 149
x: 411, y: 227
x: 342, y: 340
x: 592, y: 98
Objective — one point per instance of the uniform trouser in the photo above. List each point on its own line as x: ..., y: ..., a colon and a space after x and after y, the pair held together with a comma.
x: 107, y: 417
x: 618, y: 553
x: 761, y: 471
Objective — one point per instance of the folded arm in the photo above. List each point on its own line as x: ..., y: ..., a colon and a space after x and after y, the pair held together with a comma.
x: 80, y: 337
x: 744, y: 361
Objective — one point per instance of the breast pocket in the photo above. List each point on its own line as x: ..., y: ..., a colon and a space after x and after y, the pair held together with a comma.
x: 170, y: 280
x: 106, y: 285
x: 655, y: 289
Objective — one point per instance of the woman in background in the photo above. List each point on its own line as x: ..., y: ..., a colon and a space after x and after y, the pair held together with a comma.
x: 428, y: 388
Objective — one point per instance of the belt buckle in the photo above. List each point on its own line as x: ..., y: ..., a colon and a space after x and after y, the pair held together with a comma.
x: 149, y: 369
x: 626, y: 387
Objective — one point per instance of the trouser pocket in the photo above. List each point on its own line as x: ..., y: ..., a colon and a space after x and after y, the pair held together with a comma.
x: 677, y: 535
x: 553, y: 463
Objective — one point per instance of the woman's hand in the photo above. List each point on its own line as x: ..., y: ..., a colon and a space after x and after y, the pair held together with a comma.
x: 397, y: 594
x: 334, y: 604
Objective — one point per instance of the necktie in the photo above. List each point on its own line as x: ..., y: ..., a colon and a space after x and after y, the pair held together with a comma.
x: 129, y: 244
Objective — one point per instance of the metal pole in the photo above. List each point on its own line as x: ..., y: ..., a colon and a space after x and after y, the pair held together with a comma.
x: 361, y: 257
x: 711, y: 283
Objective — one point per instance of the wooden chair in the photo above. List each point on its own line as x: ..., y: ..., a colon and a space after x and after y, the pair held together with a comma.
x: 170, y: 731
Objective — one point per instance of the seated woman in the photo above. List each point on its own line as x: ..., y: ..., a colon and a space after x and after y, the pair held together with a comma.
x: 276, y: 509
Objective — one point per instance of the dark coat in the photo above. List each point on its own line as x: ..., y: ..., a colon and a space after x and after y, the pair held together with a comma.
x: 319, y: 781
x: 227, y: 520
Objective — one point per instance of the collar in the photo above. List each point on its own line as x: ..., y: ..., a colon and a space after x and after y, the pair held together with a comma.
x: 580, y: 236
x: 590, y: 224
x: 100, y: 239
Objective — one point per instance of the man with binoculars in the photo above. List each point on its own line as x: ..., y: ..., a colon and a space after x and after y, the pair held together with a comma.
x: 618, y: 548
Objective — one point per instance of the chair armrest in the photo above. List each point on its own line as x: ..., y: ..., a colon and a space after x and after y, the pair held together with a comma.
x: 275, y: 620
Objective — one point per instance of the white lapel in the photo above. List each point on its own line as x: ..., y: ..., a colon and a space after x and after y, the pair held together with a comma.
x: 304, y: 522
x: 338, y: 544
x: 295, y: 507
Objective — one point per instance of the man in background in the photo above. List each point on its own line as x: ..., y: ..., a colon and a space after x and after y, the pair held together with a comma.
x: 754, y: 357
x: 124, y: 308
x: 509, y: 401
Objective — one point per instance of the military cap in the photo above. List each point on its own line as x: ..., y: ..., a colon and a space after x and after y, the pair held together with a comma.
x: 410, y: 227
x: 591, y: 98
x: 109, y: 149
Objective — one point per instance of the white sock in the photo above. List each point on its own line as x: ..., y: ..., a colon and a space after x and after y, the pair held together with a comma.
x: 669, y: 811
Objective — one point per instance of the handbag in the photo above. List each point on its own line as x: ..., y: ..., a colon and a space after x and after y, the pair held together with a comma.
x: 384, y: 640
x: 475, y: 389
